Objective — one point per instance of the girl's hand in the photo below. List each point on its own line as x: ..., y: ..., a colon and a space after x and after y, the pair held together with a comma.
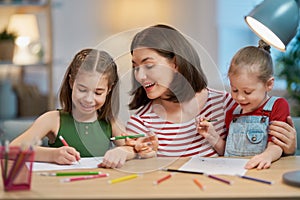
x: 65, y: 155
x: 260, y: 161
x: 284, y: 135
x: 116, y: 158
x: 207, y: 130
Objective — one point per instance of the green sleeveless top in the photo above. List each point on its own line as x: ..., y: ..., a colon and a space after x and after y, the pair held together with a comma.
x: 90, y: 139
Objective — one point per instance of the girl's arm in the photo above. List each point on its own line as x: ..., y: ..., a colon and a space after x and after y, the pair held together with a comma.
x: 47, y: 125
x: 263, y: 161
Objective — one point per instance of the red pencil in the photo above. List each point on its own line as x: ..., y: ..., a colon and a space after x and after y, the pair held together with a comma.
x: 162, y: 179
x: 83, y: 178
x: 66, y: 144
x: 63, y: 141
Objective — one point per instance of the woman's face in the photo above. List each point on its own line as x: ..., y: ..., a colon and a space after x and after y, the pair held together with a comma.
x: 153, y: 71
x: 89, y: 92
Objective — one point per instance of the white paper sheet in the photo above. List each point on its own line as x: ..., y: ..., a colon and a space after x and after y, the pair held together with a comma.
x: 219, y: 165
x: 84, y: 163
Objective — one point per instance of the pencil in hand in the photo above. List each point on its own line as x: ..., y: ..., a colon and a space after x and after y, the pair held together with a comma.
x: 67, y: 145
x: 127, y: 136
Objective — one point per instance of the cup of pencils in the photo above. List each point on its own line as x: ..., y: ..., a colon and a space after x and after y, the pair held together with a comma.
x: 16, y: 167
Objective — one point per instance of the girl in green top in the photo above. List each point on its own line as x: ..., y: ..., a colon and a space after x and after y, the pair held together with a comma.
x: 89, y: 98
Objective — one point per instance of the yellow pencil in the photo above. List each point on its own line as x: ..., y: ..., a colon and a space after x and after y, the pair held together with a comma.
x: 124, y: 178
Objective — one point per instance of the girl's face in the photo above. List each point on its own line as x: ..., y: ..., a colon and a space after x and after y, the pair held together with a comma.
x: 153, y: 71
x: 89, y: 92
x: 248, y: 91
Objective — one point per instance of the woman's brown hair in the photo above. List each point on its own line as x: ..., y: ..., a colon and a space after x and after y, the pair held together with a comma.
x: 171, y: 44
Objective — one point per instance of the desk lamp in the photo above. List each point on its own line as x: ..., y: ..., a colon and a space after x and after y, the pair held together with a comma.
x: 275, y: 21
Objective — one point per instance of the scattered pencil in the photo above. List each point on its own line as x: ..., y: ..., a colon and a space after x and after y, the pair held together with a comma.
x: 256, y: 179
x: 199, y: 184
x: 80, y: 178
x: 124, y: 178
x: 162, y: 179
x: 181, y: 171
x: 219, y: 179
x: 70, y: 173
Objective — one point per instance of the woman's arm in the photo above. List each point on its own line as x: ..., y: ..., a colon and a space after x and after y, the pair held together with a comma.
x: 284, y: 135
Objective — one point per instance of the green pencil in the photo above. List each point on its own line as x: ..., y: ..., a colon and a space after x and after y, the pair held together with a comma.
x: 69, y: 173
x: 127, y: 136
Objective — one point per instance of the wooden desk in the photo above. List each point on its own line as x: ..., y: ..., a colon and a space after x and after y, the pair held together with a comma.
x: 180, y: 186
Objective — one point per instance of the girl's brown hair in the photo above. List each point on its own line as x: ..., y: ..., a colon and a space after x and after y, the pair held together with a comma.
x: 171, y: 44
x: 256, y: 59
x: 92, y: 60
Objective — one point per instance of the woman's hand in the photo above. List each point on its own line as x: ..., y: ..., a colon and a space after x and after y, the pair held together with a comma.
x: 65, y: 155
x: 145, y: 147
x: 284, y: 135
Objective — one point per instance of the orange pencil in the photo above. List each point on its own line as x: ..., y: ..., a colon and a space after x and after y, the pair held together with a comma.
x: 162, y: 179
x: 198, y: 184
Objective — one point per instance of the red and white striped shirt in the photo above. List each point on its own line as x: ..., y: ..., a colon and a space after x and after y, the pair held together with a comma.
x: 182, y: 139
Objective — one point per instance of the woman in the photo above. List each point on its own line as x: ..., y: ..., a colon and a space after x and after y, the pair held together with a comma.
x: 170, y: 91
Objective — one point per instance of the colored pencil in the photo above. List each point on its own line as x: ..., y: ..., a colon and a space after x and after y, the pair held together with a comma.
x: 256, y: 179
x: 162, y: 179
x: 80, y: 178
x: 124, y: 178
x: 65, y: 143
x: 127, y: 136
x: 182, y: 171
x: 199, y: 184
x: 69, y: 173
x: 211, y: 120
x: 6, y: 151
x: 19, y: 162
x: 219, y: 179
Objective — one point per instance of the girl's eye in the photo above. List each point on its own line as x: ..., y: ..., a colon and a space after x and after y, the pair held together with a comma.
x: 235, y: 91
x: 98, y: 93
x: 247, y: 93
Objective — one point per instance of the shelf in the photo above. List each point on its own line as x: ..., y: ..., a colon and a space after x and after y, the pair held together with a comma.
x: 42, y: 9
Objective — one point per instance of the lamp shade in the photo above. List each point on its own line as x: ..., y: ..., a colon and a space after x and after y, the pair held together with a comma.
x: 275, y: 21
x: 25, y: 25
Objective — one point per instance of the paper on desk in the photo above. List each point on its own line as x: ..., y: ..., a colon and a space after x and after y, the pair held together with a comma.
x: 84, y: 163
x: 225, y: 166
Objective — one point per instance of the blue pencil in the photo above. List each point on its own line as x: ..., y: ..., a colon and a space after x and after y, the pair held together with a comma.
x: 256, y: 179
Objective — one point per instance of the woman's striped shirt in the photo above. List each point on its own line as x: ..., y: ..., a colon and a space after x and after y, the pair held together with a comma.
x: 182, y: 139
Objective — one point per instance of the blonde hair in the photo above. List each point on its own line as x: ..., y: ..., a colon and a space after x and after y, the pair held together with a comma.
x: 255, y: 59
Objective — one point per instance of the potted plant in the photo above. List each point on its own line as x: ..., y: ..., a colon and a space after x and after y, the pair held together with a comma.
x: 288, y: 66
x: 7, y: 44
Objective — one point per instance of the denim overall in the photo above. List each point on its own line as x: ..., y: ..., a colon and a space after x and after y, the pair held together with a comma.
x: 248, y: 135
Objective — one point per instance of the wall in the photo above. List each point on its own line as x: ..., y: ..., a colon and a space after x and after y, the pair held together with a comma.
x: 110, y: 25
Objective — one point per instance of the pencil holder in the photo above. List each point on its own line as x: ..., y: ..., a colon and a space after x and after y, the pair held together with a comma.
x: 16, y: 167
